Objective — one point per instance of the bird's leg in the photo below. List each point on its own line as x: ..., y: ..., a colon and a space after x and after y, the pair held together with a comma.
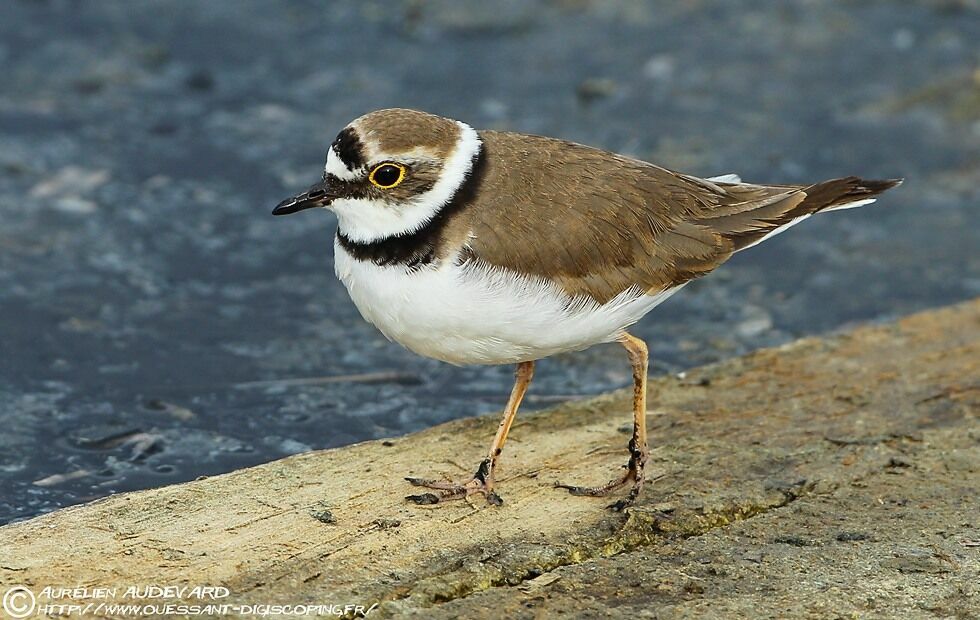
x: 637, y: 351
x: 482, y: 481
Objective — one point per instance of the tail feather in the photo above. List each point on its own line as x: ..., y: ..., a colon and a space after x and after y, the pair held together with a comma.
x: 756, y: 224
x: 841, y: 193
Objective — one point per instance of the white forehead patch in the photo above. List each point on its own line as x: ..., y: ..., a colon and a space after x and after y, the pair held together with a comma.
x: 336, y: 167
x: 364, y: 220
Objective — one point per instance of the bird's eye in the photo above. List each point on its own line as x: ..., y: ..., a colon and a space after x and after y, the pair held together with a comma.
x: 387, y: 176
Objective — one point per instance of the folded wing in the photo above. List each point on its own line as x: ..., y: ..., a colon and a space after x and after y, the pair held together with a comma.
x: 600, y: 224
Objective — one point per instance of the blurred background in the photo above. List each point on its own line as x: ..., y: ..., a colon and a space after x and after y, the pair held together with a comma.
x: 158, y: 324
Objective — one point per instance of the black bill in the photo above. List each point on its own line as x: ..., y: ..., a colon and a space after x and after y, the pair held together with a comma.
x: 317, y: 196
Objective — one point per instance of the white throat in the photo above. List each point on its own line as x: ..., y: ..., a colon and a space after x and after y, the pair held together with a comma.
x: 365, y: 221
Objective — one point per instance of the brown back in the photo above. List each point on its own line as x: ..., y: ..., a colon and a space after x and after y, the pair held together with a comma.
x: 599, y: 223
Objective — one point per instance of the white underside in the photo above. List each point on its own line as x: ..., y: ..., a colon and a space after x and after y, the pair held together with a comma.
x: 474, y: 314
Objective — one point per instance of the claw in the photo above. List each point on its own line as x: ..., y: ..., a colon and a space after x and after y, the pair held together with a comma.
x: 481, y: 482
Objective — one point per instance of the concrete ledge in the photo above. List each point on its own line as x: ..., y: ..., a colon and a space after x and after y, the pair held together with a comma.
x: 828, y: 477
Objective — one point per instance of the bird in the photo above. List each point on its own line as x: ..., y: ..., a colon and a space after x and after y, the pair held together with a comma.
x: 481, y: 247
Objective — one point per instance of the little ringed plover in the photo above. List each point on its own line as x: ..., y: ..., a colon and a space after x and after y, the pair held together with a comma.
x: 491, y: 247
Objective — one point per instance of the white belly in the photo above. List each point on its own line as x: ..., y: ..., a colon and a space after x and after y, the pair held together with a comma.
x: 476, y: 315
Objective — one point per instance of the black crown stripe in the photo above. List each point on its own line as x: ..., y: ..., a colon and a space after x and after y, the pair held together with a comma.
x: 349, y: 148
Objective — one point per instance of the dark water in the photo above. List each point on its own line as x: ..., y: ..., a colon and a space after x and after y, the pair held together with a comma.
x: 144, y: 287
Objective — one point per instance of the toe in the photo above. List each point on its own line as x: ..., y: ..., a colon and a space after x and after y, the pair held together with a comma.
x: 423, y: 499
x: 575, y: 490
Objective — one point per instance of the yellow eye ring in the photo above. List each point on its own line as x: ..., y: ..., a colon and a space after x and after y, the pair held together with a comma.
x: 387, y: 175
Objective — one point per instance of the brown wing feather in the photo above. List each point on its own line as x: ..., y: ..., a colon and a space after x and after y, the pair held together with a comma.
x: 599, y: 223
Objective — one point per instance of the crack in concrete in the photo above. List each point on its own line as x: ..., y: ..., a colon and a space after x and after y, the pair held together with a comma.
x: 641, y: 529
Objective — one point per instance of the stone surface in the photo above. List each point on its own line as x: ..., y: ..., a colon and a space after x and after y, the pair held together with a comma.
x: 145, y: 289
x: 826, y: 478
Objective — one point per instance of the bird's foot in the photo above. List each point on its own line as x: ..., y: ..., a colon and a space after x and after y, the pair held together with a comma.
x: 634, y: 473
x: 481, y: 482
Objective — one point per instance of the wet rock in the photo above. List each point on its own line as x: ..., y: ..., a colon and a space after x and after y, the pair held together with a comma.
x: 593, y: 89
x: 136, y: 175
x: 56, y: 479
x: 757, y: 321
